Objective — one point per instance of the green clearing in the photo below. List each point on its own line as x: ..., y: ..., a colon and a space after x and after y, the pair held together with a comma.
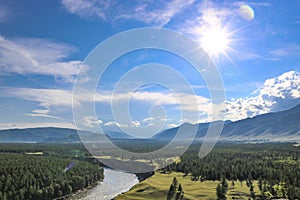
x: 157, y: 186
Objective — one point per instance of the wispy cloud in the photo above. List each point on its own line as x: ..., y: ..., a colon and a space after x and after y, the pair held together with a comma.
x: 87, y: 8
x: 252, y: 3
x: 287, y: 50
x: 52, y: 101
x: 151, y: 12
x: 41, y: 113
x: 38, y: 56
x: 4, y: 13
x: 207, y: 14
x: 55, y: 100
x: 46, y: 97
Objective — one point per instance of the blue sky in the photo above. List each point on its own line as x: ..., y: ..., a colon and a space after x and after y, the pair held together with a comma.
x: 43, y: 44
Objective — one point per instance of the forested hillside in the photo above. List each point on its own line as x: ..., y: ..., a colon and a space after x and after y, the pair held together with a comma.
x: 33, y: 175
x: 274, y: 166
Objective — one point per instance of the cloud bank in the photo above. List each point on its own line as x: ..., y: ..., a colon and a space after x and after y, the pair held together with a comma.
x: 276, y: 94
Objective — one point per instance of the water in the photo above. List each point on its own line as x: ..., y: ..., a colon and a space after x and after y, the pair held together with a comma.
x: 114, y: 183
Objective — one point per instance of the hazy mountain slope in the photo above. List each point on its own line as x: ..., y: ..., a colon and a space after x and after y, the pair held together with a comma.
x: 279, y: 126
x: 284, y: 125
x: 46, y: 134
x: 118, y: 135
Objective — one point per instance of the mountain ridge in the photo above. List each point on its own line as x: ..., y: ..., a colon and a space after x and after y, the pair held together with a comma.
x: 275, y: 126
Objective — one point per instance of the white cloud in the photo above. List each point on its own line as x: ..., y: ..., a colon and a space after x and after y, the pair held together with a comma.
x: 148, y: 120
x: 38, y: 56
x: 152, y: 12
x: 132, y: 124
x: 36, y: 124
x: 280, y: 93
x: 90, y: 121
x: 111, y: 123
x: 172, y: 125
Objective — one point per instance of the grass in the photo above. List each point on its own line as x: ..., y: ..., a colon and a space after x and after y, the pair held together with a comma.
x: 157, y: 186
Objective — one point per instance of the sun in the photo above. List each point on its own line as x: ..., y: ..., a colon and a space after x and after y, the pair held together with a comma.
x: 215, y: 41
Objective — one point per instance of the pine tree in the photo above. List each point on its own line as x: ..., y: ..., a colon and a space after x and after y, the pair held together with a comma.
x: 175, y: 183
x: 260, y: 183
x: 220, y: 191
x: 171, y: 192
x: 224, y: 185
x: 175, y: 188
x: 252, y: 193
x: 180, y: 193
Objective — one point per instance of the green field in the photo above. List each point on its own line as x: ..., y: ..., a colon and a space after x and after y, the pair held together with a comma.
x: 157, y: 186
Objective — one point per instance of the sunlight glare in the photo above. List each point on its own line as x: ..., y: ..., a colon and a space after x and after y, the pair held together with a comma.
x: 215, y: 41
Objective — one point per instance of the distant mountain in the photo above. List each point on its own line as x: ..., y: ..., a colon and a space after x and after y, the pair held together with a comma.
x: 44, y: 135
x: 169, y: 134
x: 33, y: 134
x: 118, y: 135
x: 279, y: 126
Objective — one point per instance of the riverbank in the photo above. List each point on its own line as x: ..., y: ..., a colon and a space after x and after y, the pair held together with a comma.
x: 114, y: 183
x: 144, y: 176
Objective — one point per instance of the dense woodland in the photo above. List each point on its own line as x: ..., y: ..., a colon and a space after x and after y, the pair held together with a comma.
x: 276, y: 167
x: 64, y: 169
x: 59, y: 172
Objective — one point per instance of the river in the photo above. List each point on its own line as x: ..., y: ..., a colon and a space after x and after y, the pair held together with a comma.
x: 114, y: 183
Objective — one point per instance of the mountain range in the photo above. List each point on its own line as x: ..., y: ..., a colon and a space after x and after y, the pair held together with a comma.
x: 279, y: 126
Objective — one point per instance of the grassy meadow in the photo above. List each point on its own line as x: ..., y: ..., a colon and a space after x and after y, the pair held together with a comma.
x: 157, y: 186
